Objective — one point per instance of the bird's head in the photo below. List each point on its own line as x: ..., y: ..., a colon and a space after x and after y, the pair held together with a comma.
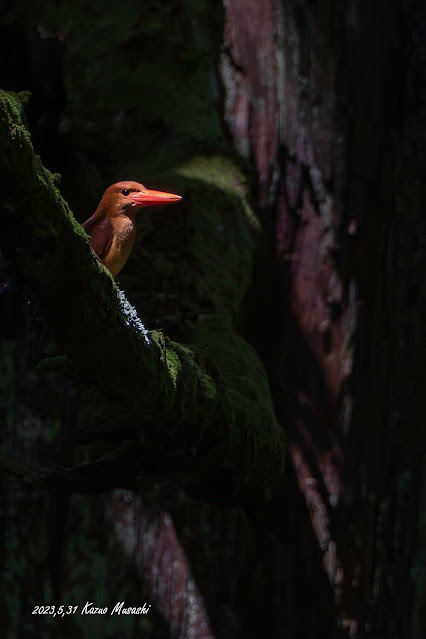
x: 129, y: 197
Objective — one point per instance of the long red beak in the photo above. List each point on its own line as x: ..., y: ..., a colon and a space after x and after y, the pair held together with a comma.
x: 153, y: 198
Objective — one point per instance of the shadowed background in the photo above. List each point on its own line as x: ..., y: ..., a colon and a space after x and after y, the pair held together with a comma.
x: 310, y: 118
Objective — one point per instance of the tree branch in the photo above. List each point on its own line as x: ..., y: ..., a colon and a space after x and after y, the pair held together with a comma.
x: 181, y: 396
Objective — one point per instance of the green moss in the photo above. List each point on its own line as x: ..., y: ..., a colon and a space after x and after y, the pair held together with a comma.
x: 160, y: 54
x: 173, y: 364
x: 190, y: 275
x: 222, y: 173
x: 140, y: 86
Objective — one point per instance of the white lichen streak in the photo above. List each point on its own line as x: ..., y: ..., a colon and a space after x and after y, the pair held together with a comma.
x: 131, y: 317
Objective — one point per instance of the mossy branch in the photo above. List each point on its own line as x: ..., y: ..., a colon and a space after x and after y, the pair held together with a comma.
x: 183, y: 399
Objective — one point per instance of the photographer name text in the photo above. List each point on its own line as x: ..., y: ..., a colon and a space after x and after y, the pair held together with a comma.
x: 89, y: 608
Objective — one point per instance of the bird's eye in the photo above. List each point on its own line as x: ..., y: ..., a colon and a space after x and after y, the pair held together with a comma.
x: 125, y: 191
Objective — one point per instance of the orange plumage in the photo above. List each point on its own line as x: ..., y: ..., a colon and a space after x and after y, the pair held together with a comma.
x: 112, y: 227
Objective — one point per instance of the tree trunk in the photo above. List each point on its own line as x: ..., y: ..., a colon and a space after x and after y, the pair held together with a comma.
x: 294, y: 130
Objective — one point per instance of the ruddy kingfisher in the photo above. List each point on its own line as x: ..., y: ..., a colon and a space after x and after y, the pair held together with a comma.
x: 112, y: 228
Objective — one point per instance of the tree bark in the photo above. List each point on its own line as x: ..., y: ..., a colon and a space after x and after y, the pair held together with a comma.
x: 182, y: 396
x: 324, y: 105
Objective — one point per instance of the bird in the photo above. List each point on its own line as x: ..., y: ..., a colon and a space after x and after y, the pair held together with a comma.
x: 112, y: 228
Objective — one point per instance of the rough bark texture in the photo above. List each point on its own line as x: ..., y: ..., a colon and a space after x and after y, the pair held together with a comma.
x: 349, y: 237
x: 325, y: 103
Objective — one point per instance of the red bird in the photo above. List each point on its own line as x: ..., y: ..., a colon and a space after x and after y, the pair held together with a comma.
x: 112, y: 227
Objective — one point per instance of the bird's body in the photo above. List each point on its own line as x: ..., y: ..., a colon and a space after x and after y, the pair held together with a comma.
x: 111, y: 241
x: 112, y: 227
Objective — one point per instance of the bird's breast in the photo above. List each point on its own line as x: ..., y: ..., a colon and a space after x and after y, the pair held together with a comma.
x: 121, y: 246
